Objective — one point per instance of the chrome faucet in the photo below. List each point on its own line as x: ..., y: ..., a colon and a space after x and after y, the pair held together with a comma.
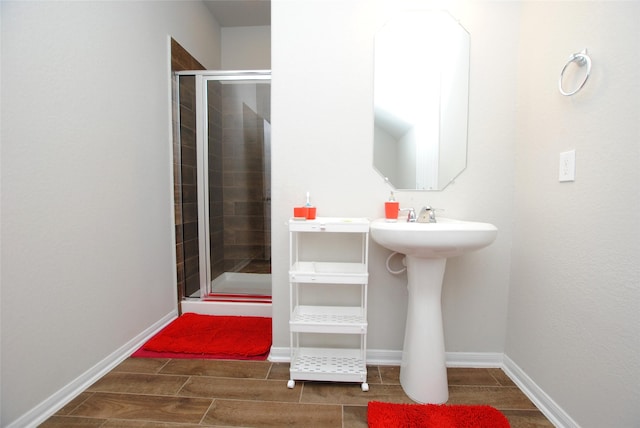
x: 427, y: 215
x: 411, y: 217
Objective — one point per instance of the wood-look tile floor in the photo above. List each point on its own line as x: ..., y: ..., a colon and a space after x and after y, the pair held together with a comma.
x: 174, y: 393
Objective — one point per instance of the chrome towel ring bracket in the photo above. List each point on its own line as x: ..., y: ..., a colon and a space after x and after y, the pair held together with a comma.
x: 581, y: 58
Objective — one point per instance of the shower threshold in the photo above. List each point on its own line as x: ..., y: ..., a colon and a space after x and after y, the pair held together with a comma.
x: 234, y: 293
x: 237, y: 283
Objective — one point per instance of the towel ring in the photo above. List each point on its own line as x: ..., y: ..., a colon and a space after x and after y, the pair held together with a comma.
x: 581, y: 58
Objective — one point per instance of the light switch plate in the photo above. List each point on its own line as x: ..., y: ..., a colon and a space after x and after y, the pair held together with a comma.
x: 567, y: 170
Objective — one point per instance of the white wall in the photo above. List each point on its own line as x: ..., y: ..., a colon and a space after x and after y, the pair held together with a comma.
x: 87, y: 228
x: 87, y: 259
x: 574, y: 298
x: 322, y: 56
x: 572, y: 292
x: 246, y: 48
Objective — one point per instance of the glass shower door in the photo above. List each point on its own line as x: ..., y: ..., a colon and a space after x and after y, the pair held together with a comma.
x: 234, y: 198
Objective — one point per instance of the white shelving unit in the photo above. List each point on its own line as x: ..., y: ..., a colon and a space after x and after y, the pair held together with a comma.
x: 316, y: 363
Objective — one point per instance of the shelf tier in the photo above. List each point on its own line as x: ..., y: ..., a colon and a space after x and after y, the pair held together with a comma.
x: 324, y: 364
x: 330, y: 224
x: 329, y: 272
x: 328, y: 319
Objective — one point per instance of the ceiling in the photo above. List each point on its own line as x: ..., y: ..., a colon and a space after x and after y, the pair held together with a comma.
x: 240, y: 13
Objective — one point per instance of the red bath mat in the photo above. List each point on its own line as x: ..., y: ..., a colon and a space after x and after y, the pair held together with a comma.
x: 390, y: 415
x: 211, y: 336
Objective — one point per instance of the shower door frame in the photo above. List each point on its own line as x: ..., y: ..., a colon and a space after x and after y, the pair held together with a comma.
x: 202, y: 159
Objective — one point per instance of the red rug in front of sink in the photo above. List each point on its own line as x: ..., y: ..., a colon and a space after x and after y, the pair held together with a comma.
x: 211, y: 336
x: 392, y: 415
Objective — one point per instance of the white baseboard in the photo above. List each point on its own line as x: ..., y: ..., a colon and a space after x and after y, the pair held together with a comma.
x: 62, y: 397
x: 474, y: 359
x: 383, y: 357
x: 543, y: 402
x: 279, y: 354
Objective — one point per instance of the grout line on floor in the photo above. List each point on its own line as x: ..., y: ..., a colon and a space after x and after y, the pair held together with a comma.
x: 269, y: 371
x: 177, y: 393
x: 70, y: 412
x: 206, y: 412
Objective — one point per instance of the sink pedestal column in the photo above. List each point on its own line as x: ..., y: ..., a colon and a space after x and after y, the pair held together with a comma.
x: 423, y: 373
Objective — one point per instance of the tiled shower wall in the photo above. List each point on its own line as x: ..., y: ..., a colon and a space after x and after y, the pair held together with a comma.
x: 245, y: 208
x: 184, y: 168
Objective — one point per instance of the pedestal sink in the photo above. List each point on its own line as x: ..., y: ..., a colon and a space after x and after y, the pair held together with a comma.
x: 423, y: 373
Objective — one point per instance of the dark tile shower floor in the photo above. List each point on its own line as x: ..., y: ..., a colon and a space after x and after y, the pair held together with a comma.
x: 257, y: 266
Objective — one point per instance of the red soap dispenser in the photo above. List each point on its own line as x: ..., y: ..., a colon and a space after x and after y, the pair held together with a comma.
x: 311, y: 211
x: 391, y: 208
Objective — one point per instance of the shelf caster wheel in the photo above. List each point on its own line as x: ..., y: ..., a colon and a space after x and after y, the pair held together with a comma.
x: 365, y: 387
x: 291, y: 384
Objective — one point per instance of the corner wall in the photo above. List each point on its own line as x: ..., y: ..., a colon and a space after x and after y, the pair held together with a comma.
x: 246, y: 48
x: 88, y: 259
x: 184, y: 171
x: 573, y: 323
x: 322, y: 143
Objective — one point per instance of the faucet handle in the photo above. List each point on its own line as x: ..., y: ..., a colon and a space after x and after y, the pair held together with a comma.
x: 411, y: 217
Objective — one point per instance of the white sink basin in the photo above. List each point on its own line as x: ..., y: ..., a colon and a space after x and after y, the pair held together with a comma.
x: 446, y: 238
x: 426, y: 246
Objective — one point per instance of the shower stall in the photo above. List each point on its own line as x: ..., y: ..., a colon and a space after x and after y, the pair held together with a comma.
x: 222, y: 170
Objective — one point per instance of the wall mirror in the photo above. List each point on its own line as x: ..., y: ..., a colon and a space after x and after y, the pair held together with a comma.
x: 421, y: 93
